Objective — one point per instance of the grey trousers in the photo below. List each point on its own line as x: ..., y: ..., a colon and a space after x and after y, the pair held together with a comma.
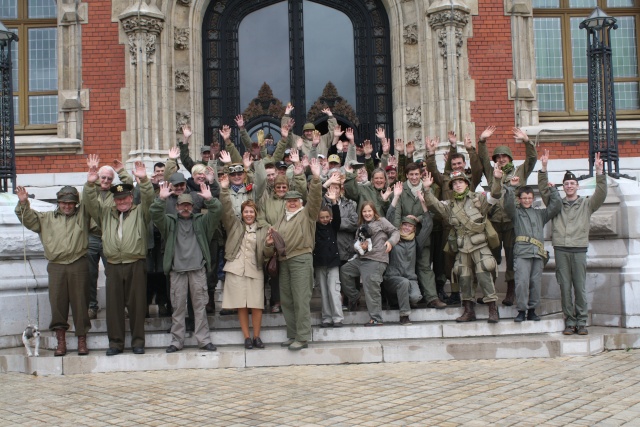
x: 328, y: 278
x: 407, y: 291
x: 68, y: 286
x: 571, y: 274
x: 182, y: 283
x: 296, y: 285
x: 94, y: 254
x: 528, y: 276
x: 371, y: 274
x: 426, y: 277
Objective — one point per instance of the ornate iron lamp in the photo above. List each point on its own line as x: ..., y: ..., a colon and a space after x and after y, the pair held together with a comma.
x: 603, y: 132
x: 7, y: 142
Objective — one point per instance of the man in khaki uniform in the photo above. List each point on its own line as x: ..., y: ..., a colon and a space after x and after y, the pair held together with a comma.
x: 124, y: 238
x: 467, y: 212
x: 325, y: 142
x: 64, y: 235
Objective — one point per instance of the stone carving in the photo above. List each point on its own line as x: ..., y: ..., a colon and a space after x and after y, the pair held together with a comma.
x: 410, y: 34
x: 331, y: 98
x: 142, y: 23
x: 414, y: 117
x: 442, y: 43
x: 181, y: 120
x: 412, y: 75
x: 184, y: 2
x: 183, y: 81
x: 448, y: 17
x: 265, y: 104
x: 149, y: 41
x: 219, y: 7
x: 181, y: 38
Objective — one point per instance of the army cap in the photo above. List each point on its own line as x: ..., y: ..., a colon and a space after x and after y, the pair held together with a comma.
x: 68, y: 194
x: 308, y: 126
x: 292, y: 195
x: 569, y: 176
x: 281, y: 165
x: 205, y: 148
x: 458, y: 175
x: 121, y: 190
x: 177, y: 178
x: 185, y: 198
x: 409, y: 220
x: 334, y: 158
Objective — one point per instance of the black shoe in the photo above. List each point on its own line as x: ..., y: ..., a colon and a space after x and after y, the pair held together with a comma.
x: 138, y: 350
x: 326, y: 325
x: 569, y: 330
x: 337, y: 325
x: 582, y: 330
x: 209, y: 347
x: 226, y: 312
x: 248, y: 344
x: 454, y: 299
x: 520, y: 317
x: 171, y: 349
x: 353, y: 305
x: 531, y: 315
x: 257, y: 343
x: 404, y: 320
x: 113, y: 351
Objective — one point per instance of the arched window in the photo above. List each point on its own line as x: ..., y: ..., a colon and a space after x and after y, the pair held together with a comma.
x: 260, y: 55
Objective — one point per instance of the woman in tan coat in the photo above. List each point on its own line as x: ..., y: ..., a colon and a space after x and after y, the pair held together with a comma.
x: 245, y: 253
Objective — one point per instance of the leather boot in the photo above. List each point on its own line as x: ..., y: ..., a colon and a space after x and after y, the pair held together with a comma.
x: 511, y: 294
x: 211, y: 305
x: 494, y: 316
x: 454, y: 299
x: 61, y: 336
x: 442, y: 295
x: 469, y: 314
x: 82, y: 345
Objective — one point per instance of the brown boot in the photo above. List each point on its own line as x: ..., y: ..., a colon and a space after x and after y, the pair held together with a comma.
x: 62, y: 342
x: 469, y: 314
x: 82, y: 345
x: 494, y: 316
x: 211, y: 305
x: 511, y: 294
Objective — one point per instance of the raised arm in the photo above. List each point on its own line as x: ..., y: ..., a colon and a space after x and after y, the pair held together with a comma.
x: 531, y: 153
x: 600, y: 194
x: 27, y: 216
x: 185, y: 157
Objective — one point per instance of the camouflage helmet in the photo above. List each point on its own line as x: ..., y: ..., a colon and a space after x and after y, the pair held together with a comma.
x: 502, y: 149
x: 308, y: 126
x: 68, y: 194
x: 458, y: 175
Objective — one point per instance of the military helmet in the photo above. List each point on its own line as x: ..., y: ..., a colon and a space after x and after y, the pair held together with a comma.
x: 68, y: 194
x: 308, y: 126
x: 458, y: 175
x: 502, y: 149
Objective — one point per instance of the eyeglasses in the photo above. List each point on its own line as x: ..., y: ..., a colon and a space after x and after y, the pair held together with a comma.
x: 236, y: 169
x: 107, y: 178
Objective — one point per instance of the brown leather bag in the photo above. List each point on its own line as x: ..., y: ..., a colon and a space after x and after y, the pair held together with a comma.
x: 273, y: 266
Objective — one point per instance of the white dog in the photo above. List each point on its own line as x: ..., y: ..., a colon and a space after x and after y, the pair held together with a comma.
x: 31, y: 335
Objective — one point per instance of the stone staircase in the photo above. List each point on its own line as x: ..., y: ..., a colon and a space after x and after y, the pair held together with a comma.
x: 434, y: 335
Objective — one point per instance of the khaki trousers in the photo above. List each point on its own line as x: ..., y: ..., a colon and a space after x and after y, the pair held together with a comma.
x: 68, y: 285
x: 296, y: 285
x: 195, y: 283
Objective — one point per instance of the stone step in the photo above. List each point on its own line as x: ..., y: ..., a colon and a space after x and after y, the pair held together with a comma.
x: 219, y: 322
x: 348, y: 333
x: 322, y: 353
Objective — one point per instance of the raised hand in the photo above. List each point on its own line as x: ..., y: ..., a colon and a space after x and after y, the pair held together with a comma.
x: 333, y: 194
x: 423, y: 202
x: 427, y: 180
x: 246, y: 160
x: 431, y: 145
x: 487, y: 133
x: 380, y: 134
x: 298, y: 168
x: 393, y: 161
x: 453, y: 138
x: 335, y: 178
x: 140, y: 171
x: 260, y: 136
x: 544, y: 159
x: 349, y: 135
x: 305, y: 161
x: 399, y: 146
x: 445, y: 156
x: 93, y: 161
x: 497, y: 171
x: 284, y: 130
x: 468, y: 144
x: 223, y: 180
x: 288, y: 109
x: 411, y: 148
x: 239, y: 121
x: 225, y: 156
x: 340, y: 146
x: 299, y: 143
x: 386, y: 193
x: 92, y: 175
x: 165, y: 191
x: 348, y: 167
x: 367, y: 147
x: 174, y: 153
x: 337, y: 131
x: 294, y: 155
x: 205, y: 192
x: 327, y: 111
x: 269, y: 240
x: 186, y: 133
x: 314, y: 164
x: 397, y: 190
x: 22, y: 194
x: 520, y: 134
x: 210, y: 174
x: 117, y: 165
x: 225, y: 133
x: 316, y: 138
x: 599, y: 164
x: 386, y: 146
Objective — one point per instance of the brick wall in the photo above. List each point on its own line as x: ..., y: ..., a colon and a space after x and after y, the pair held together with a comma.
x: 103, y: 74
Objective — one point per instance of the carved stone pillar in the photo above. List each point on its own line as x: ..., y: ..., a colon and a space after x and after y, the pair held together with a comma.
x: 142, y: 24
x: 451, y: 108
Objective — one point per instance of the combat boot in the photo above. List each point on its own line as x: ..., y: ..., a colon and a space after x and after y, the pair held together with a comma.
x: 511, y: 294
x: 442, y: 295
x: 469, y: 314
x: 520, y: 317
x: 82, y: 345
x: 454, y: 299
x: 531, y: 315
x: 211, y: 305
x: 61, y: 336
x: 494, y: 316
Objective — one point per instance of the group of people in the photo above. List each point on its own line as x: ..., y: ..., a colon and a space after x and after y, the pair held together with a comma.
x: 318, y: 209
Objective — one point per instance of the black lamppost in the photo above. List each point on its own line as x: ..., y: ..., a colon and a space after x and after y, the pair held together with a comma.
x: 603, y: 132
x: 7, y: 142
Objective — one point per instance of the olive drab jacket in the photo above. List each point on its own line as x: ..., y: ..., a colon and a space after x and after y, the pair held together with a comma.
x: 325, y: 140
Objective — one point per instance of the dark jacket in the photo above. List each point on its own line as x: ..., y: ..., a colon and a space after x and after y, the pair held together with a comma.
x: 325, y: 253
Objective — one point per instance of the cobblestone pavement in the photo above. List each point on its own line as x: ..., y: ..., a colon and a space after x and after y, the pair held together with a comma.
x: 598, y: 390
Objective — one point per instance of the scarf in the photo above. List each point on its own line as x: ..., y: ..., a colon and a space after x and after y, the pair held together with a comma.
x: 236, y: 188
x: 414, y: 189
x: 508, y: 168
x: 461, y: 196
x: 290, y: 215
x: 409, y: 236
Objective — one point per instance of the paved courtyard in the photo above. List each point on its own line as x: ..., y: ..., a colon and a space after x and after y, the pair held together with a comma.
x: 598, y: 390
